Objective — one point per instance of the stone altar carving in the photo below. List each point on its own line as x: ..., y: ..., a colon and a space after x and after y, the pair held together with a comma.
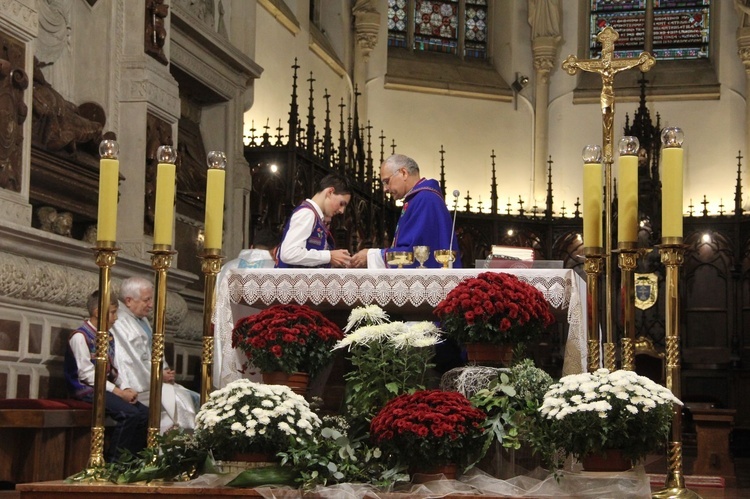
x: 155, y: 31
x: 59, y: 125
x: 13, y: 111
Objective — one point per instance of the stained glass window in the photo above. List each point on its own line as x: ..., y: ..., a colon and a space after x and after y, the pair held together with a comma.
x: 476, y: 29
x: 451, y: 27
x: 680, y: 28
x: 397, y: 20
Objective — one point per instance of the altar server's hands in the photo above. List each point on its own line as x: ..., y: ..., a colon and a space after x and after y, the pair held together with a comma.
x: 340, y: 258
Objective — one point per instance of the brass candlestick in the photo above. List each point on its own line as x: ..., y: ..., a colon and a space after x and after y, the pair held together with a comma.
x: 672, y: 256
x: 210, y: 265
x: 593, y: 268
x: 106, y: 255
x: 628, y: 260
x: 161, y: 260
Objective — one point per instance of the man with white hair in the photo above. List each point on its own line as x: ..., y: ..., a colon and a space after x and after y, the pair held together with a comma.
x: 133, y: 334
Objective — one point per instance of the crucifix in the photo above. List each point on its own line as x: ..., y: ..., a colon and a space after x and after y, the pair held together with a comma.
x: 608, y: 67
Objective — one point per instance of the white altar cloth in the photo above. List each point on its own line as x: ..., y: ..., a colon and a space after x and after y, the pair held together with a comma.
x: 413, y: 291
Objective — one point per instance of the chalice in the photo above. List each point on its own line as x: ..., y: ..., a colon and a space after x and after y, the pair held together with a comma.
x: 421, y: 254
x: 445, y: 257
x: 399, y: 258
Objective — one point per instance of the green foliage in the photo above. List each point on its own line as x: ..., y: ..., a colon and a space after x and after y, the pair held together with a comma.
x: 335, y: 457
x: 176, y: 457
x: 512, y: 402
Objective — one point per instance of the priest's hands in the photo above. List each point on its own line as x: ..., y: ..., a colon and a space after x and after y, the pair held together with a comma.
x: 359, y: 260
x: 168, y: 376
x: 340, y: 258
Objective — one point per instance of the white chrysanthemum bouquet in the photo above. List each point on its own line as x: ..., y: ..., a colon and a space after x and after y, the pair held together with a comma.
x: 388, y: 359
x: 594, y: 412
x: 247, y: 417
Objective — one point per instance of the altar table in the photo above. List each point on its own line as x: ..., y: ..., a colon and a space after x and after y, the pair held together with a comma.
x: 411, y: 292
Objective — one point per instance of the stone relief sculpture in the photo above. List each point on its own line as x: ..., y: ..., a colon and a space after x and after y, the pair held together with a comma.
x: 58, y: 125
x: 51, y: 220
x: 156, y: 31
x: 13, y: 112
x: 202, y: 9
x: 53, y: 44
x: 158, y: 133
x: 545, y: 18
x: 743, y: 9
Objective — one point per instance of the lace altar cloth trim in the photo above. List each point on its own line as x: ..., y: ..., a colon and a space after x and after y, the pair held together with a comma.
x: 350, y: 288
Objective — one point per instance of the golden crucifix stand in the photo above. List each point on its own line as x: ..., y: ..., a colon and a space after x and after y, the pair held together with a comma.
x: 608, y: 67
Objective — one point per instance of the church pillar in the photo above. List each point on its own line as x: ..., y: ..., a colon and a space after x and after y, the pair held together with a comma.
x: 18, y: 28
x: 144, y: 86
x: 545, y: 51
x: 366, y: 27
x: 743, y: 43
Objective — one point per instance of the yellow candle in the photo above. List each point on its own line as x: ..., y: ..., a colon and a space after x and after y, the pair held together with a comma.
x: 592, y: 205
x: 214, y: 207
x: 109, y: 173
x: 164, y: 209
x: 627, y: 202
x: 671, y: 200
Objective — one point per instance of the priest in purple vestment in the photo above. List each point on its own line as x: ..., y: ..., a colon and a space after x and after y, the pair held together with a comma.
x: 425, y: 219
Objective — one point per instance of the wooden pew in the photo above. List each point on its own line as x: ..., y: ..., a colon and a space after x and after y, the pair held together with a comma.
x: 43, y: 439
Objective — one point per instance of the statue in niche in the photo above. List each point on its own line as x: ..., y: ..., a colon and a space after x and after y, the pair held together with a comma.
x: 221, y: 27
x: 158, y: 133
x: 545, y: 18
x: 59, y: 125
x: 53, y: 44
x: 13, y: 112
x: 156, y: 31
x: 202, y: 9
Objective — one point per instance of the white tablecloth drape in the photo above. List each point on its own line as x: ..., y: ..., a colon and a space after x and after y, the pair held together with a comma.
x: 410, y: 291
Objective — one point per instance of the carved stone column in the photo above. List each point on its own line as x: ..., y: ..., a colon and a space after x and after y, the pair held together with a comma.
x: 545, y: 52
x: 743, y: 44
x: 367, y: 20
x: 19, y: 26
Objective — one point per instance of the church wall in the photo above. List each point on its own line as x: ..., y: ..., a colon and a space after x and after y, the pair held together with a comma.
x: 276, y: 51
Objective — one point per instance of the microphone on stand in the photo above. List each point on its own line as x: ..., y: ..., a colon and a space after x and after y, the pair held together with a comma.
x: 456, y: 193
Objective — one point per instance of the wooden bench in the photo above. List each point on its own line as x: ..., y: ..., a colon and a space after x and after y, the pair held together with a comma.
x: 43, y: 439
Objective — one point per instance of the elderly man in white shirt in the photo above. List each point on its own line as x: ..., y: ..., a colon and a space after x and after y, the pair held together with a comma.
x: 132, y: 332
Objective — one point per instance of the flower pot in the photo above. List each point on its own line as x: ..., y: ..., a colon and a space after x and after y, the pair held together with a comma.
x: 296, y: 381
x: 489, y: 354
x: 243, y: 461
x: 424, y: 474
x: 609, y: 460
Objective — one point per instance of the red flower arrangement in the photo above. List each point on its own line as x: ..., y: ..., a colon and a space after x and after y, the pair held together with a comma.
x: 288, y: 338
x: 494, y: 307
x: 430, y: 427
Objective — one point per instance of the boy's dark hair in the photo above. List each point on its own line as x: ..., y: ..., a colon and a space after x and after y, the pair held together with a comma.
x: 340, y: 183
x: 92, y: 303
x: 265, y: 239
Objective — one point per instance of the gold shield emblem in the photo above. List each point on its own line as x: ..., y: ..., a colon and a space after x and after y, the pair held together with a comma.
x: 646, y: 290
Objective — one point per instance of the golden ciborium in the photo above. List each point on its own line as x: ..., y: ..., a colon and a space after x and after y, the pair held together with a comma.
x: 445, y: 257
x: 399, y: 258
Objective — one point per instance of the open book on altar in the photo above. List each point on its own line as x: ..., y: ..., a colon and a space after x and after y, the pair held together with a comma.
x: 510, y: 257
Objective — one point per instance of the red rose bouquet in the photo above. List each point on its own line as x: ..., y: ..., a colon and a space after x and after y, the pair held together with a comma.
x: 494, y: 307
x: 288, y: 338
x: 430, y: 427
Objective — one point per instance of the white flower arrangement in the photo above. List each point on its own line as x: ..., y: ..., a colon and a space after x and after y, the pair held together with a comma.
x: 252, y: 417
x: 592, y: 412
x: 389, y: 358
